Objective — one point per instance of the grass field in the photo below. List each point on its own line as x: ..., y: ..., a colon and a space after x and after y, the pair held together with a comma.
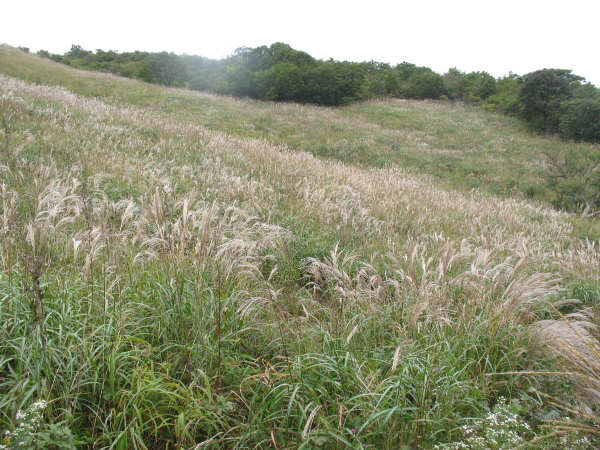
x: 183, y: 270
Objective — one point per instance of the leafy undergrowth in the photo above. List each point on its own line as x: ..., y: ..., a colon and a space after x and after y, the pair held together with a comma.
x: 168, y: 283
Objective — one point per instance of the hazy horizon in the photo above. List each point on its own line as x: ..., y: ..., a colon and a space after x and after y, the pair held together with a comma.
x: 518, y: 37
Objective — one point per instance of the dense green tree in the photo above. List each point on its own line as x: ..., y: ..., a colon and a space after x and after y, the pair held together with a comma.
x: 321, y: 86
x: 77, y: 51
x: 333, y: 84
x: 350, y: 80
x: 280, y: 73
x: 259, y: 58
x: 540, y: 98
x: 283, y: 53
x: 473, y: 87
x: 78, y: 57
x: 485, y: 85
x: 425, y: 84
x: 384, y: 84
x: 282, y: 82
x: 163, y: 68
x: 457, y: 84
x: 199, y: 83
x: 405, y: 70
x: 239, y: 82
x: 580, y: 120
x: 418, y: 82
x: 504, y: 100
x: 380, y: 81
x: 560, y: 102
x: 275, y: 73
x: 583, y: 90
x: 102, y: 56
x: 374, y: 67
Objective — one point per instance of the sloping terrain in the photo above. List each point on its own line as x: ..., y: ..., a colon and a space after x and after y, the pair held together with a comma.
x: 182, y: 270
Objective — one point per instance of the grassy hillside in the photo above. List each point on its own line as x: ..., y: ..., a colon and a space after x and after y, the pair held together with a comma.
x: 458, y: 144
x: 182, y: 270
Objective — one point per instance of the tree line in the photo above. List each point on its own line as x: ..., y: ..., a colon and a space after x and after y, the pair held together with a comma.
x: 553, y: 101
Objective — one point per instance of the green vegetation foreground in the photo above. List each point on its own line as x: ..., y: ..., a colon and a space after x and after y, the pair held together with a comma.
x: 168, y: 284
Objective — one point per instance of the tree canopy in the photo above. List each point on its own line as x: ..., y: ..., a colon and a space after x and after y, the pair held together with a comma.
x: 558, y: 102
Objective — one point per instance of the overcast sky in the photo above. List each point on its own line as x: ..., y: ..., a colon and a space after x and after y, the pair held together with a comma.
x: 472, y: 35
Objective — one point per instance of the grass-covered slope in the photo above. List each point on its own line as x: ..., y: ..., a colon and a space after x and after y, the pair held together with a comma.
x: 181, y: 270
x: 461, y: 146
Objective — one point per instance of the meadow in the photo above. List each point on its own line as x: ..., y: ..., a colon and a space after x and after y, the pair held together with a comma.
x: 183, y: 270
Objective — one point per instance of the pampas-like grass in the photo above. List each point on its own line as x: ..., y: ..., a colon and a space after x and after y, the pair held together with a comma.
x: 171, y: 266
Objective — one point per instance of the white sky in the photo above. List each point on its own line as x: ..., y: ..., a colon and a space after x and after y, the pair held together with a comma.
x: 498, y: 37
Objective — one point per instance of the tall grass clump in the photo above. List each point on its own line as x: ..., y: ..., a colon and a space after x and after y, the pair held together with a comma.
x: 173, y: 276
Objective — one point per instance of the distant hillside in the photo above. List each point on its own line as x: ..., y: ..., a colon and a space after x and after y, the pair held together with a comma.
x: 180, y: 269
x: 550, y: 101
x: 451, y: 141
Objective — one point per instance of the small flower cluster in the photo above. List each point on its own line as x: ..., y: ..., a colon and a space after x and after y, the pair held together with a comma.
x: 28, y: 422
x: 503, y: 428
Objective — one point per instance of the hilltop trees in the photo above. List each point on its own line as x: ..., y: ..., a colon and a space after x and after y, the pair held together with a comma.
x: 334, y: 83
x: 280, y: 73
x: 552, y: 101
x: 556, y: 101
x: 272, y: 73
x: 163, y: 68
x: 282, y: 82
x: 474, y: 86
x: 417, y: 82
x: 276, y: 73
x: 405, y: 80
x: 541, y: 95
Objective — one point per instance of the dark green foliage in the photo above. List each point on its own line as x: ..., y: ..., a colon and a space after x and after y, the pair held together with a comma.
x: 418, y: 82
x: 384, y: 84
x: 559, y: 102
x: 282, y: 82
x: 280, y: 73
x: 102, y: 56
x: 486, y: 86
x: 540, y: 97
x: 580, y: 120
x: 405, y: 80
x: 239, y: 82
x: 263, y: 58
x: 163, y: 68
x: 425, y: 85
x: 574, y: 175
x: 333, y: 83
x: 504, y: 100
x: 457, y: 86
x: 257, y: 59
x: 77, y: 52
x: 283, y: 53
